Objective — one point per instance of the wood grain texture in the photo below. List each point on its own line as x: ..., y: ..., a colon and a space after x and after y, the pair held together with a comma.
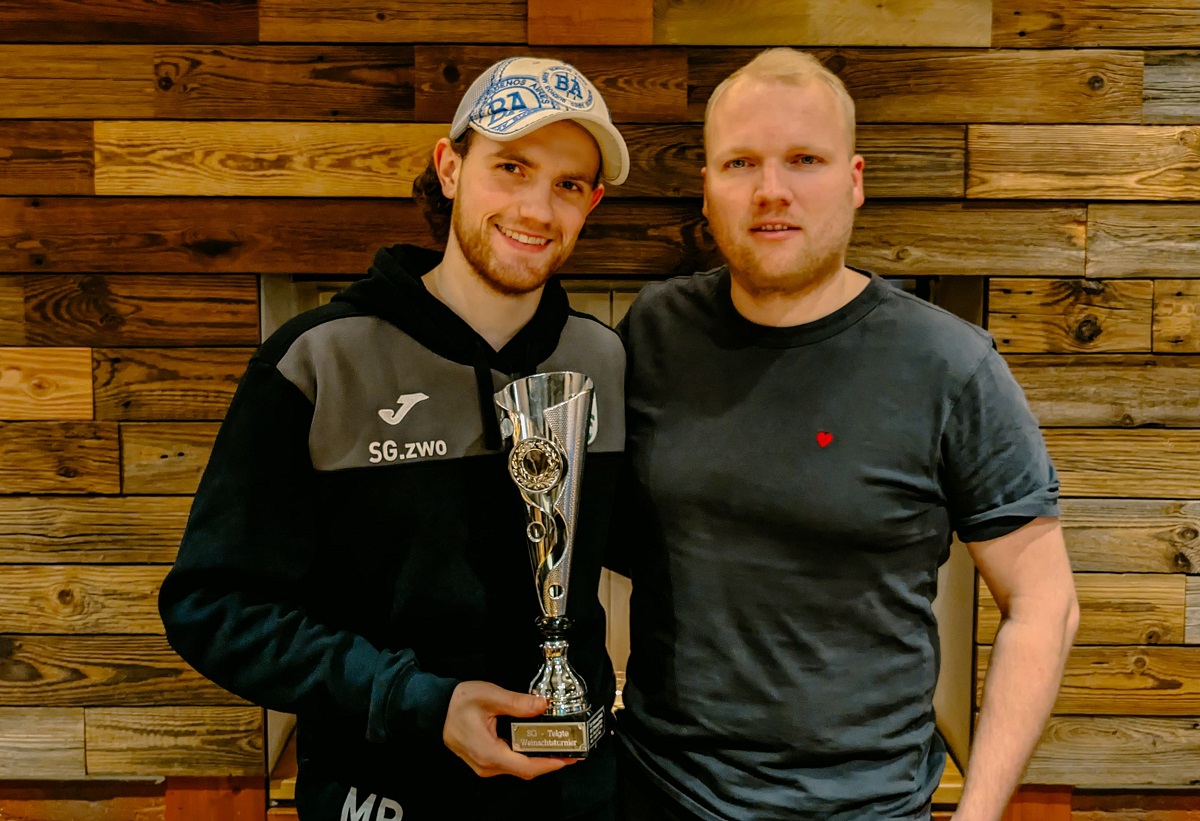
x: 1115, y: 608
x: 284, y: 83
x: 1035, y: 802
x: 1131, y: 535
x: 81, y: 801
x: 1125, y: 463
x: 1101, y: 162
x: 1117, y: 752
x: 1160, y: 805
x: 100, y: 671
x: 229, y: 798
x: 12, y: 310
x: 40, y: 82
x: 44, y: 742
x: 591, y: 23
x: 1171, y: 91
x: 1192, y: 630
x: 147, y: 384
x: 175, y: 741
x: 959, y: 86
x: 1176, y: 316
x: 45, y: 383
x: 114, y: 21
x: 850, y: 23
x: 1056, y: 23
x: 79, y: 599
x: 1141, y: 240
x: 58, y: 457
x: 392, y: 21
x: 45, y: 157
x: 97, y: 530
x: 165, y: 158
x: 1070, y: 315
x: 164, y: 457
x: 129, y: 310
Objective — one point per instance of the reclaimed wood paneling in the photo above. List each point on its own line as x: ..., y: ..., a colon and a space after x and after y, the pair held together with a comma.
x: 1102, y: 162
x: 1139, y: 240
x: 1115, y: 608
x: 1144, y: 464
x: 1147, y: 680
x: 40, y: 82
x: 147, y: 384
x: 99, y: 530
x: 175, y: 740
x: 100, y: 800
x: 1192, y: 631
x: 1070, y: 315
x: 45, y: 157
x: 285, y: 83
x: 1108, y: 391
x: 117, y: 21
x: 165, y: 158
x: 58, y: 457
x: 12, y: 310
x: 1132, y: 536
x: 44, y: 742
x: 1160, y: 805
x: 100, y: 671
x: 164, y: 457
x: 851, y: 23
x: 591, y: 22
x: 1172, y: 87
x: 45, y: 383
x: 1176, y: 316
x: 229, y: 798
x: 127, y: 310
x: 1114, y: 752
x: 392, y: 21
x: 78, y: 599
x: 1051, y: 23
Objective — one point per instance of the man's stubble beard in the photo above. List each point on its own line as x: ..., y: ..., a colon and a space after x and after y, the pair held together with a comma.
x: 503, y: 278
x: 812, y: 267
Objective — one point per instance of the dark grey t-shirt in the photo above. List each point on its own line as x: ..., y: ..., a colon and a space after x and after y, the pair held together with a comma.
x: 795, y: 490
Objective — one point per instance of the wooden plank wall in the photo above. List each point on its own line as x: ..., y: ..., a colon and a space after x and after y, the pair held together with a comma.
x: 157, y: 158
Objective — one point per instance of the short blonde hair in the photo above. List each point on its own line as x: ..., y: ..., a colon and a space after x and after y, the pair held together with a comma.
x: 796, y: 68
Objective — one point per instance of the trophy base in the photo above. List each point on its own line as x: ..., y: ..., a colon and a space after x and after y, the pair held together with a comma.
x: 558, y: 736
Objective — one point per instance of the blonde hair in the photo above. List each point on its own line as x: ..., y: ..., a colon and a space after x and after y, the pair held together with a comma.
x: 795, y: 68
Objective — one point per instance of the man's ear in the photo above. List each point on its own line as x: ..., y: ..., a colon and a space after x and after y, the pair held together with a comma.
x: 448, y: 165
x: 704, y: 186
x: 597, y: 195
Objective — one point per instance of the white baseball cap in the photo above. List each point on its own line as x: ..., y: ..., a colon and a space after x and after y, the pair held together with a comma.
x: 521, y: 94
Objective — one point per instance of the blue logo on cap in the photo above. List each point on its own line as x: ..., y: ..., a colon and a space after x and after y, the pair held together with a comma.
x: 507, y: 101
x: 567, y: 86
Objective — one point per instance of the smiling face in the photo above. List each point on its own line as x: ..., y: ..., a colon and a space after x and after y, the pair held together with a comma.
x: 781, y: 184
x: 519, y: 205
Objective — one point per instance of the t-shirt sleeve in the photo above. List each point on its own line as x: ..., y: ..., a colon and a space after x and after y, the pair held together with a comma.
x: 997, y: 474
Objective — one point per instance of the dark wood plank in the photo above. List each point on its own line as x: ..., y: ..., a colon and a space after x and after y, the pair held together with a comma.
x: 98, y: 530
x: 77, y: 599
x: 1098, y: 162
x: 591, y: 23
x: 58, y: 457
x: 392, y: 21
x: 1132, y: 536
x: 1141, y: 240
x: 43, y: 742
x: 147, y: 384
x: 285, y: 83
x: 229, y: 798
x: 640, y: 237
x: 1071, y: 315
x: 1172, y: 87
x: 100, y: 671
x: 46, y: 383
x: 12, y: 310
x: 1176, y: 316
x: 116, y: 21
x: 1117, y: 752
x: 1089, y: 23
x: 82, y: 800
x: 955, y: 86
x: 164, y: 457
x: 1160, y: 805
x: 45, y: 157
x: 128, y: 310
x: 176, y: 741
x: 1145, y: 464
x: 39, y: 82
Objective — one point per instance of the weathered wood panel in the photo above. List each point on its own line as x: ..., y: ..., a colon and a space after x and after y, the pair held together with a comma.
x: 1193, y: 611
x: 81, y: 800
x: 126, y: 310
x: 175, y: 741
x: 1161, y: 464
x: 392, y: 21
x: 77, y: 599
x: 1115, y: 752
x: 1101, y: 162
x: 67, y: 82
x: 1151, y: 681
x: 1070, y: 315
x: 45, y: 383
x: 164, y: 457
x: 947, y: 86
x: 44, y: 742
x: 100, y: 671
x: 285, y: 83
x: 1129, y: 240
x: 116, y: 21
x: 100, y: 530
x: 147, y: 384
x: 591, y: 22
x: 62, y: 457
x: 1172, y: 87
x: 1132, y: 536
x: 851, y: 23
x: 12, y: 310
x: 1115, y: 608
x: 45, y: 157
x: 1176, y: 316
x: 167, y: 158
x: 1049, y: 23
x: 1161, y: 805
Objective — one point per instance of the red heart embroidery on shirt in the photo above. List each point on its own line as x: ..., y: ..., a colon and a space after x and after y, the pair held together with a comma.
x: 824, y: 438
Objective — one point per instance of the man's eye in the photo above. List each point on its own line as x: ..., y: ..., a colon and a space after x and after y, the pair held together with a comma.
x: 572, y: 186
x: 510, y: 167
x: 739, y: 163
x: 807, y: 159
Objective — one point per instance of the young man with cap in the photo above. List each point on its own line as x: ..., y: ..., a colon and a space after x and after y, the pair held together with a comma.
x: 356, y: 551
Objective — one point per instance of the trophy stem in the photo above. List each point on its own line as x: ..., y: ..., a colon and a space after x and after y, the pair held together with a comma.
x: 557, y: 681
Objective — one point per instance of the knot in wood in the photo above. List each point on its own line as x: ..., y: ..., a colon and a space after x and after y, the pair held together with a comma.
x: 1153, y: 637
x: 451, y: 73
x: 66, y: 595
x: 1182, y: 563
x: 165, y: 83
x: 1088, y: 329
x: 1095, y: 82
x: 836, y: 63
x: 1188, y: 534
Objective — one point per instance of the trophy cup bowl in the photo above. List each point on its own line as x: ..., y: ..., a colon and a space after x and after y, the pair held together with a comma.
x: 547, y: 417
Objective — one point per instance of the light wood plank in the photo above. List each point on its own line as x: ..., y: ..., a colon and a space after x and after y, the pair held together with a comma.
x: 75, y: 599
x: 45, y: 157
x: 115, y: 21
x: 45, y: 383
x: 98, y: 530
x: 44, y: 742
x: 950, y: 786
x: 1193, y: 610
x: 175, y: 741
x: 1050, y: 23
x: 1176, y: 316
x: 1070, y: 315
x: 1099, y: 162
x: 1104, y: 752
x: 1132, y: 536
x: 1172, y: 87
x: 165, y: 158
x: 146, y: 384
x: 1146, y: 464
x: 164, y: 457
x: 591, y: 23
x: 12, y: 309
x: 1138, y: 240
x: 1115, y: 608
x: 58, y: 457
x: 41, y: 82
x: 82, y: 800
x: 392, y: 21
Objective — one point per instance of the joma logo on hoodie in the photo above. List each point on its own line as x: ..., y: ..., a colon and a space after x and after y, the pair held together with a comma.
x: 389, y: 810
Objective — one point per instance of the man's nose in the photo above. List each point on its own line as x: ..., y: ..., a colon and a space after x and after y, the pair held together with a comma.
x: 772, y: 186
x: 536, y: 203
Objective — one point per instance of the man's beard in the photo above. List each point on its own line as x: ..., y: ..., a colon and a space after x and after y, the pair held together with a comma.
x: 503, y: 278
x: 811, y: 267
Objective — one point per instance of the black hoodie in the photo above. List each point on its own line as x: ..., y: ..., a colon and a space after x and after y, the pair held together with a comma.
x: 356, y: 548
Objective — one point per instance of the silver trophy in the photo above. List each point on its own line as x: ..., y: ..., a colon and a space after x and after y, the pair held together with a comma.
x: 547, y: 417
